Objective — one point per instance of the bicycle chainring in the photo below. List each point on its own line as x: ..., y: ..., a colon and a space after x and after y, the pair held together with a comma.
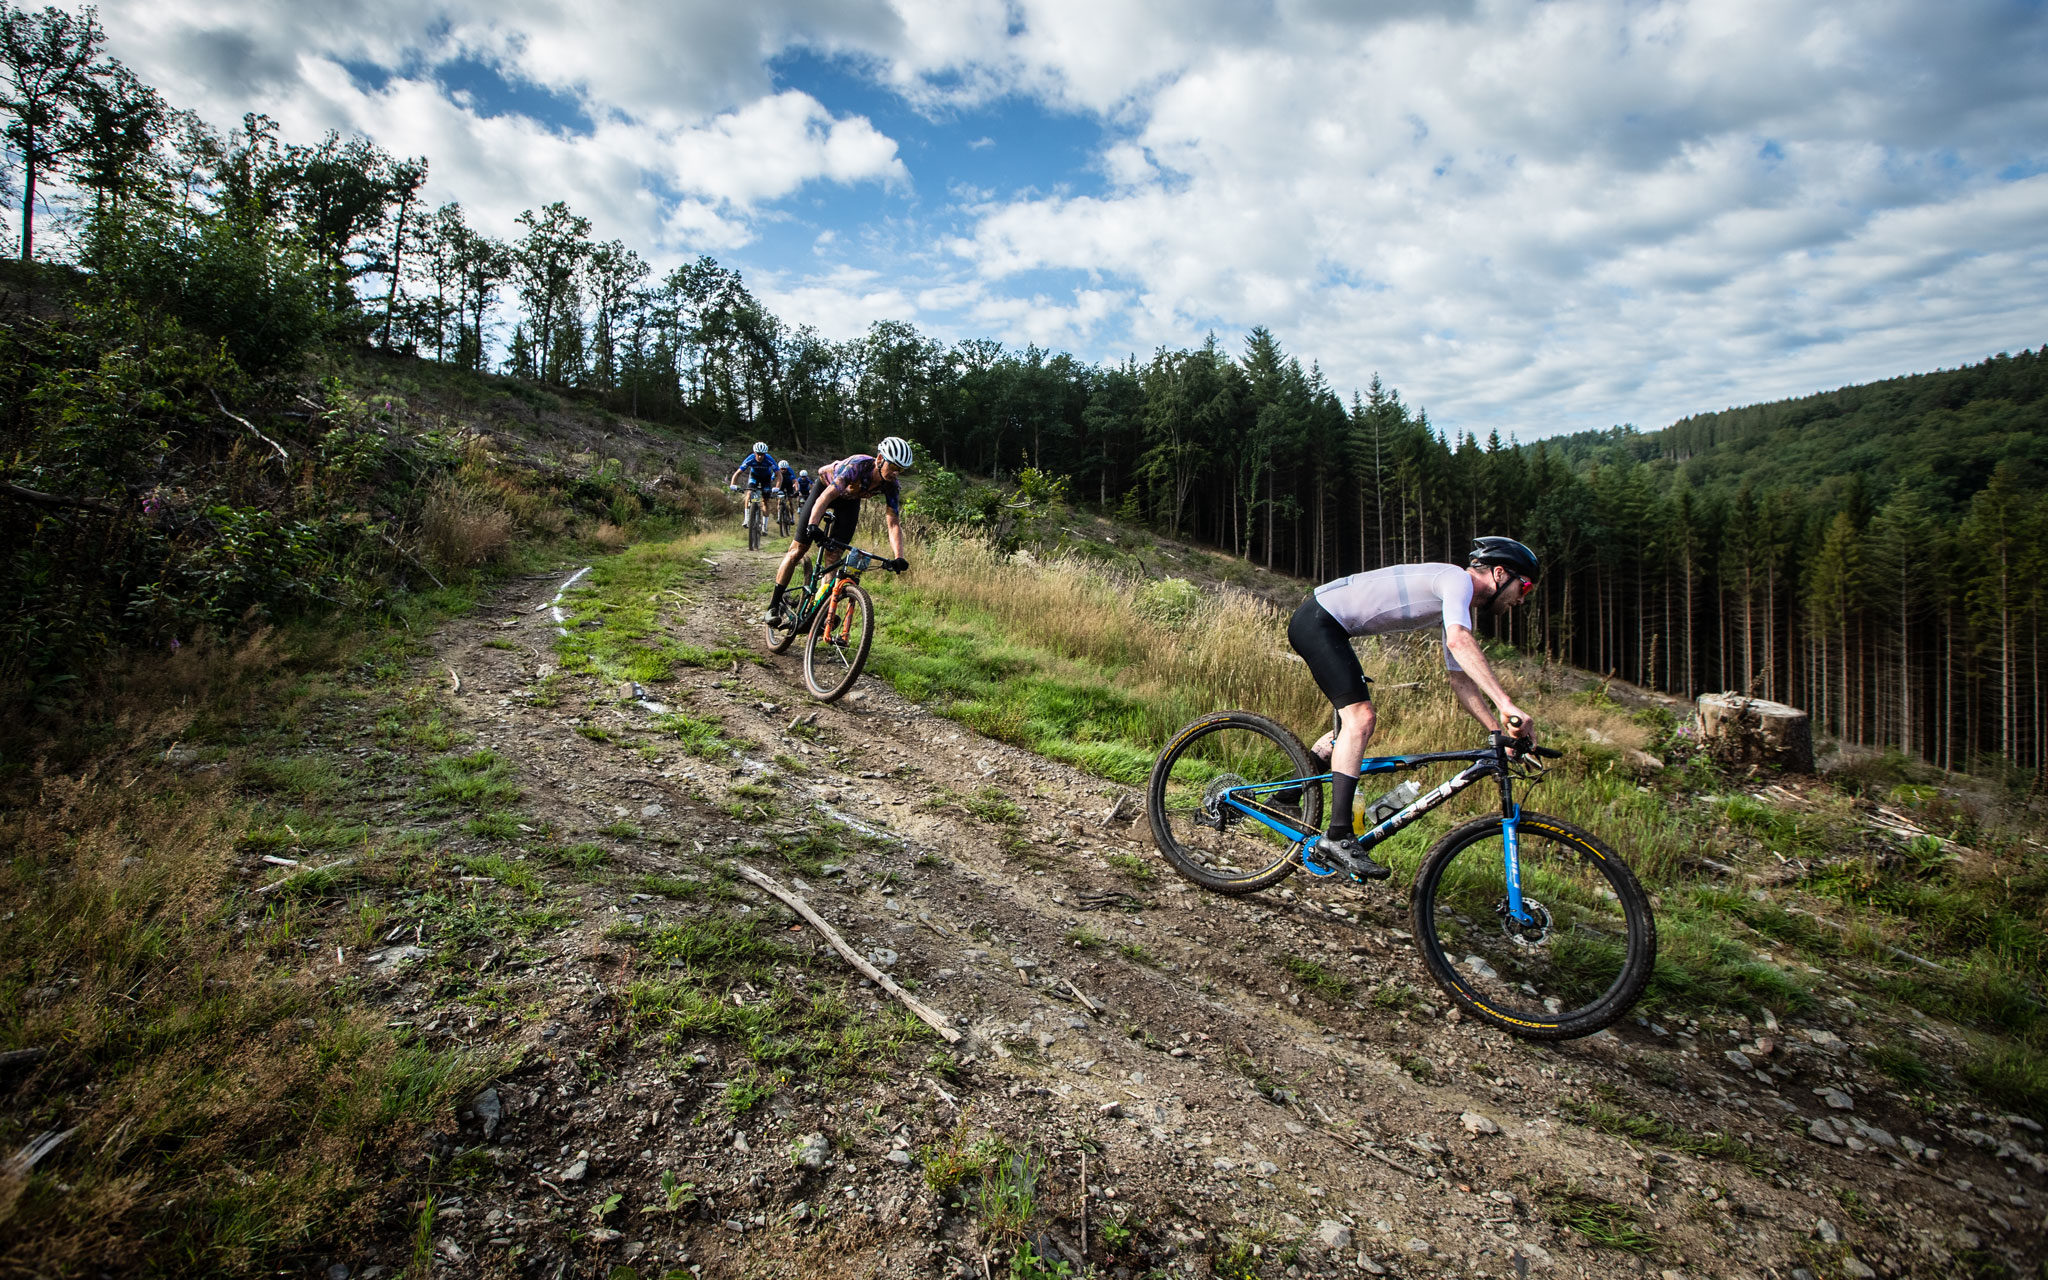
x: 1214, y: 812
x: 1533, y: 934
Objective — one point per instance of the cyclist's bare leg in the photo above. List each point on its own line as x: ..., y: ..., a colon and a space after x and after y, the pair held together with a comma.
x: 1358, y: 720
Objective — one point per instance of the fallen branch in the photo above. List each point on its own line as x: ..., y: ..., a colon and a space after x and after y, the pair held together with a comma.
x: 932, y: 1017
x: 1081, y: 995
x: 300, y: 875
x: 1389, y: 1161
x: 39, y: 499
x: 249, y: 426
x: 22, y: 1057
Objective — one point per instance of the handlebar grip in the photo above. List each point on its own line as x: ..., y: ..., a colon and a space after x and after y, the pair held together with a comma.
x: 1550, y: 752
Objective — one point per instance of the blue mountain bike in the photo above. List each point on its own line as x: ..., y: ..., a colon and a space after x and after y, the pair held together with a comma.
x: 1527, y: 922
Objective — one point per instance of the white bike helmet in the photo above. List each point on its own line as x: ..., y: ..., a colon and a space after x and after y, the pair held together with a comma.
x: 760, y: 446
x: 895, y: 449
x: 801, y: 474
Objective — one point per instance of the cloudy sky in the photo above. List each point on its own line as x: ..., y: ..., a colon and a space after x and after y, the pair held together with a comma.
x: 1535, y: 217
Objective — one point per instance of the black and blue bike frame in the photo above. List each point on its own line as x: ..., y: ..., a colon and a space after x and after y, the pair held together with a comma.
x: 1491, y: 762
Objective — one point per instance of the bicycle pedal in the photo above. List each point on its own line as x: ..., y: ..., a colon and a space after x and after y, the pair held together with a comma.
x: 1310, y: 865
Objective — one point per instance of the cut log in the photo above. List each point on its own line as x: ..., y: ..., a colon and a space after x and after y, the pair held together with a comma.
x: 1743, y: 730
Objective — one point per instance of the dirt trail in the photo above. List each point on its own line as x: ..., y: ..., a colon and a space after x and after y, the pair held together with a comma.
x: 1217, y: 1104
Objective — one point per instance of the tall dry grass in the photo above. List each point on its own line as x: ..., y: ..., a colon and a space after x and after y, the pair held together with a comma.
x: 1229, y: 651
x: 462, y: 527
x: 225, y: 1103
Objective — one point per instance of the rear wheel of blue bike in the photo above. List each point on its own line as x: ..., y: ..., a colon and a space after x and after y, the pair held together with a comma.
x: 1577, y: 960
x: 1214, y: 765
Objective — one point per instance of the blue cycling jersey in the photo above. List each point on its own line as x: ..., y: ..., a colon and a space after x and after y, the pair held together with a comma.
x: 803, y: 486
x: 760, y: 468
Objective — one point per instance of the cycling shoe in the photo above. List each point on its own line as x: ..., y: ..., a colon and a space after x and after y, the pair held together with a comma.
x: 1346, y: 854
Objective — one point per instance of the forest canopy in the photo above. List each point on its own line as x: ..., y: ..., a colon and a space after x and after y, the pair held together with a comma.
x: 1872, y: 553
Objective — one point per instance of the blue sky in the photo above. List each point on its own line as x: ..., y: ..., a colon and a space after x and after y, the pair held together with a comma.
x: 1530, y: 217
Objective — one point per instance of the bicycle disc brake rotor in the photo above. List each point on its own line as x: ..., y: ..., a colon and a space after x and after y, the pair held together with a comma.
x: 1533, y: 934
x: 1215, y: 813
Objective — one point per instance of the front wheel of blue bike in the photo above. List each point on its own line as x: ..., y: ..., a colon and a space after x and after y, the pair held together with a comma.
x: 1220, y: 808
x: 1576, y: 960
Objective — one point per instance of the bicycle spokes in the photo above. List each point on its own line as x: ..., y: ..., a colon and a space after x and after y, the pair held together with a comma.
x: 1224, y: 811
x: 1562, y: 956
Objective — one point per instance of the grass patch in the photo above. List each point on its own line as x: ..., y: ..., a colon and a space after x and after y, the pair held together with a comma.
x: 506, y: 871
x: 695, y: 736
x: 1082, y: 938
x: 1136, y: 954
x: 1315, y: 978
x: 2014, y: 1077
x: 1133, y: 866
x: 478, y: 780
x: 994, y: 806
x: 303, y: 778
x: 1600, y: 1222
x: 615, y: 627
x: 494, y: 826
x: 582, y: 856
x: 669, y: 886
x: 1622, y: 1122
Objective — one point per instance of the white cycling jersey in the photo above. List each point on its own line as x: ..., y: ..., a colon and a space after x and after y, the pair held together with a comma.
x: 1401, y: 597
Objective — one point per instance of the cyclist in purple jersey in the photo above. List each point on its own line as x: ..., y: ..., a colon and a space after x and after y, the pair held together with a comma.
x: 841, y: 486
x: 1499, y: 574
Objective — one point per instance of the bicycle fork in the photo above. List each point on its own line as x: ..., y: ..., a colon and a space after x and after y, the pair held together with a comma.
x: 1510, y: 844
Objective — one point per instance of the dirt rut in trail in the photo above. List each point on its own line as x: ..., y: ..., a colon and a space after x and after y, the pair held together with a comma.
x: 1231, y: 1121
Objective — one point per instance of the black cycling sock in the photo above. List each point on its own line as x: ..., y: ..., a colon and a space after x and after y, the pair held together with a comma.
x: 1343, y: 789
x: 775, y: 605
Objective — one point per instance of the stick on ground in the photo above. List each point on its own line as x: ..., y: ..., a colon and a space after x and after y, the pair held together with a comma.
x: 931, y: 1016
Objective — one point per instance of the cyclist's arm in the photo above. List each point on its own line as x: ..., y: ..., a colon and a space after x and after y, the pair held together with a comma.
x: 1477, y: 678
x: 895, y: 523
x: 826, y: 493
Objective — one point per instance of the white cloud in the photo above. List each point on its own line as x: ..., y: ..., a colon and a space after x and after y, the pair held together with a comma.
x: 1535, y: 216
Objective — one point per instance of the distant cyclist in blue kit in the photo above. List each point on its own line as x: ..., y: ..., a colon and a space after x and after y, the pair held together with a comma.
x: 841, y: 485
x: 759, y: 468
x: 1499, y: 574
x: 803, y: 489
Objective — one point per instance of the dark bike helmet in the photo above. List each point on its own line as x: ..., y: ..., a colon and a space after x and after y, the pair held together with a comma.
x: 1508, y: 552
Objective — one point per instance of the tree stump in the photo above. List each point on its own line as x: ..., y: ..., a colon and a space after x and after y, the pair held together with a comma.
x: 1744, y: 730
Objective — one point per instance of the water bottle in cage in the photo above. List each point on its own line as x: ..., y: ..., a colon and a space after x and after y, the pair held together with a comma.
x: 1392, y: 803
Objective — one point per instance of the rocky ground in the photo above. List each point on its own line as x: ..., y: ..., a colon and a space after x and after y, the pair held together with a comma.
x: 1172, y: 1099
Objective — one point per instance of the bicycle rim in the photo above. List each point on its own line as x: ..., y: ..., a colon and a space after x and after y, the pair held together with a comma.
x: 837, y: 647
x: 754, y: 530
x: 1580, y: 964
x: 1205, y: 838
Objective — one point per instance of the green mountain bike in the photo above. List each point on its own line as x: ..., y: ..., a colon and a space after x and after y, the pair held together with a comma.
x: 1527, y: 922
x: 834, y: 614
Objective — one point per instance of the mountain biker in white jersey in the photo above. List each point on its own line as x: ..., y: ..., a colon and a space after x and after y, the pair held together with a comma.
x: 1499, y: 574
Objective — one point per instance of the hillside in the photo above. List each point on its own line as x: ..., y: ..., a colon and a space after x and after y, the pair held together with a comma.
x: 424, y: 949
x: 1946, y: 431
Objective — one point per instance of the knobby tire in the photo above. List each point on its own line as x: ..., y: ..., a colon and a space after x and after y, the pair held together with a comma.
x: 1578, y: 873
x: 1203, y: 755
x: 830, y: 666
